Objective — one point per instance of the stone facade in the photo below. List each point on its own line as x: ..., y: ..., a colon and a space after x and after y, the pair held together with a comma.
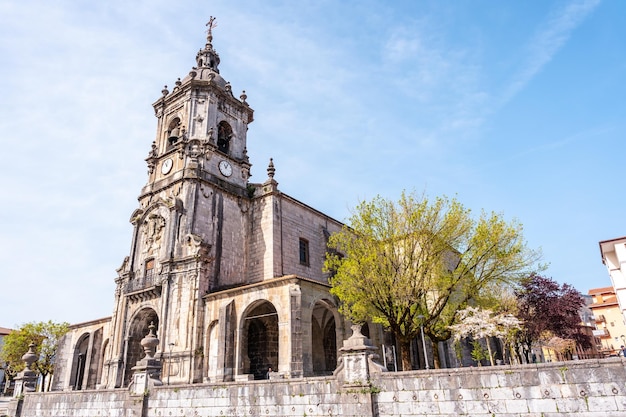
x: 230, y: 272
x: 79, y: 358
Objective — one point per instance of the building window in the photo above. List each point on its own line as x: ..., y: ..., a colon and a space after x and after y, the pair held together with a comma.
x: 149, y: 270
x: 304, y: 252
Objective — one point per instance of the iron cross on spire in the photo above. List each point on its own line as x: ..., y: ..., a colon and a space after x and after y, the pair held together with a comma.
x: 210, y: 25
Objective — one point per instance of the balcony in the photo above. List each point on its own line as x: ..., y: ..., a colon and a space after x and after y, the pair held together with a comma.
x: 144, y: 287
x: 601, y: 333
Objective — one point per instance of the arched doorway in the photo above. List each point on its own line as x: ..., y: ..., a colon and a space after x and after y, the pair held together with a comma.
x: 259, y: 340
x: 137, y: 330
x: 80, y: 359
x: 323, y: 339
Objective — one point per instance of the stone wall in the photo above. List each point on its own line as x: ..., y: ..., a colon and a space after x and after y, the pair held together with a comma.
x: 577, y: 388
x: 109, y: 403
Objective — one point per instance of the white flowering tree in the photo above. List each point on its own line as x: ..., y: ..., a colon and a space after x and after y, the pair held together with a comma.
x: 483, y: 324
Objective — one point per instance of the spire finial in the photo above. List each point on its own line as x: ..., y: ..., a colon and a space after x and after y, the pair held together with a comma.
x: 210, y: 25
x: 270, y: 169
x: 207, y: 57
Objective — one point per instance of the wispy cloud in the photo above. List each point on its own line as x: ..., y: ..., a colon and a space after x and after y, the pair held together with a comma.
x: 550, y: 37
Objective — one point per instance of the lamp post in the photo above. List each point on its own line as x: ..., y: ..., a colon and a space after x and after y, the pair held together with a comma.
x: 169, y: 364
x: 421, y: 317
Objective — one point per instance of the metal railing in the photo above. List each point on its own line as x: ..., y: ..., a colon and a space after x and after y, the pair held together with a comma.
x: 139, y: 283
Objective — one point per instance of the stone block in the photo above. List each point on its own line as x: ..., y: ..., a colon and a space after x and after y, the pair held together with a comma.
x: 571, y: 405
x: 448, y: 382
x: 552, y: 376
x: 500, y: 394
x: 601, y: 403
x: 432, y: 395
x: 542, y: 405
x: 452, y: 408
x: 476, y: 407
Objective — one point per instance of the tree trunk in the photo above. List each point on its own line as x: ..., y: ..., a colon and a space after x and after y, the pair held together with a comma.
x: 405, y: 354
x: 489, y: 350
x: 436, y: 359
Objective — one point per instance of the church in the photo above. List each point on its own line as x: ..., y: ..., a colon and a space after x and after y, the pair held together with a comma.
x: 229, y: 272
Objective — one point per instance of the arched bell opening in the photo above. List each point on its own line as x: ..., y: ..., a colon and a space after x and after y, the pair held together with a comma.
x: 224, y: 135
x: 173, y: 132
x: 137, y: 330
x: 259, y: 340
x: 323, y: 339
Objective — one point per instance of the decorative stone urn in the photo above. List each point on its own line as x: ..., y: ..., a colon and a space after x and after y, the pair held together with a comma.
x: 147, y: 372
x: 26, y: 381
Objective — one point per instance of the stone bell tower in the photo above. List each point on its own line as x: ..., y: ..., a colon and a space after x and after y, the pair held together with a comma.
x: 188, y: 237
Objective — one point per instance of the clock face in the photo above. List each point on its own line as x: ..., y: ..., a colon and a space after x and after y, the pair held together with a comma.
x: 225, y: 168
x: 167, y: 166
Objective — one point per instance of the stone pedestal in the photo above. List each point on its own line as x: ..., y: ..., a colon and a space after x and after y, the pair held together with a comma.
x: 26, y: 381
x: 147, y: 372
x: 357, y: 361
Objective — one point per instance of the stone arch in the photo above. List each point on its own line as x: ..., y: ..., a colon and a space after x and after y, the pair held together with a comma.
x: 79, y: 362
x: 259, y: 339
x: 106, y: 353
x: 323, y: 338
x: 212, y: 349
x: 137, y: 330
x: 224, y: 136
x: 173, y: 132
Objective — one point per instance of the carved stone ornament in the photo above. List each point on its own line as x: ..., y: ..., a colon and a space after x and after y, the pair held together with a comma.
x: 152, y: 157
x: 195, y: 148
x: 153, y: 232
x: 196, y: 246
x: 211, y: 136
x: 124, y: 267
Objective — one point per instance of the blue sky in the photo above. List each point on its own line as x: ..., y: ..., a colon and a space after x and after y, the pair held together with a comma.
x: 513, y: 107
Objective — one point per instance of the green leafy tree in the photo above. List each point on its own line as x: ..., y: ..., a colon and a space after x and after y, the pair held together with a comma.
x: 417, y: 261
x: 45, y: 336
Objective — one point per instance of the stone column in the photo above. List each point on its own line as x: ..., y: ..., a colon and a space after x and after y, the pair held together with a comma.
x: 357, y: 361
x: 26, y: 381
x: 296, y: 363
x: 147, y: 372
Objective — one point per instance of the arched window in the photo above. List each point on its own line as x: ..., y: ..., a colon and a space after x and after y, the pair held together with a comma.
x: 224, y: 134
